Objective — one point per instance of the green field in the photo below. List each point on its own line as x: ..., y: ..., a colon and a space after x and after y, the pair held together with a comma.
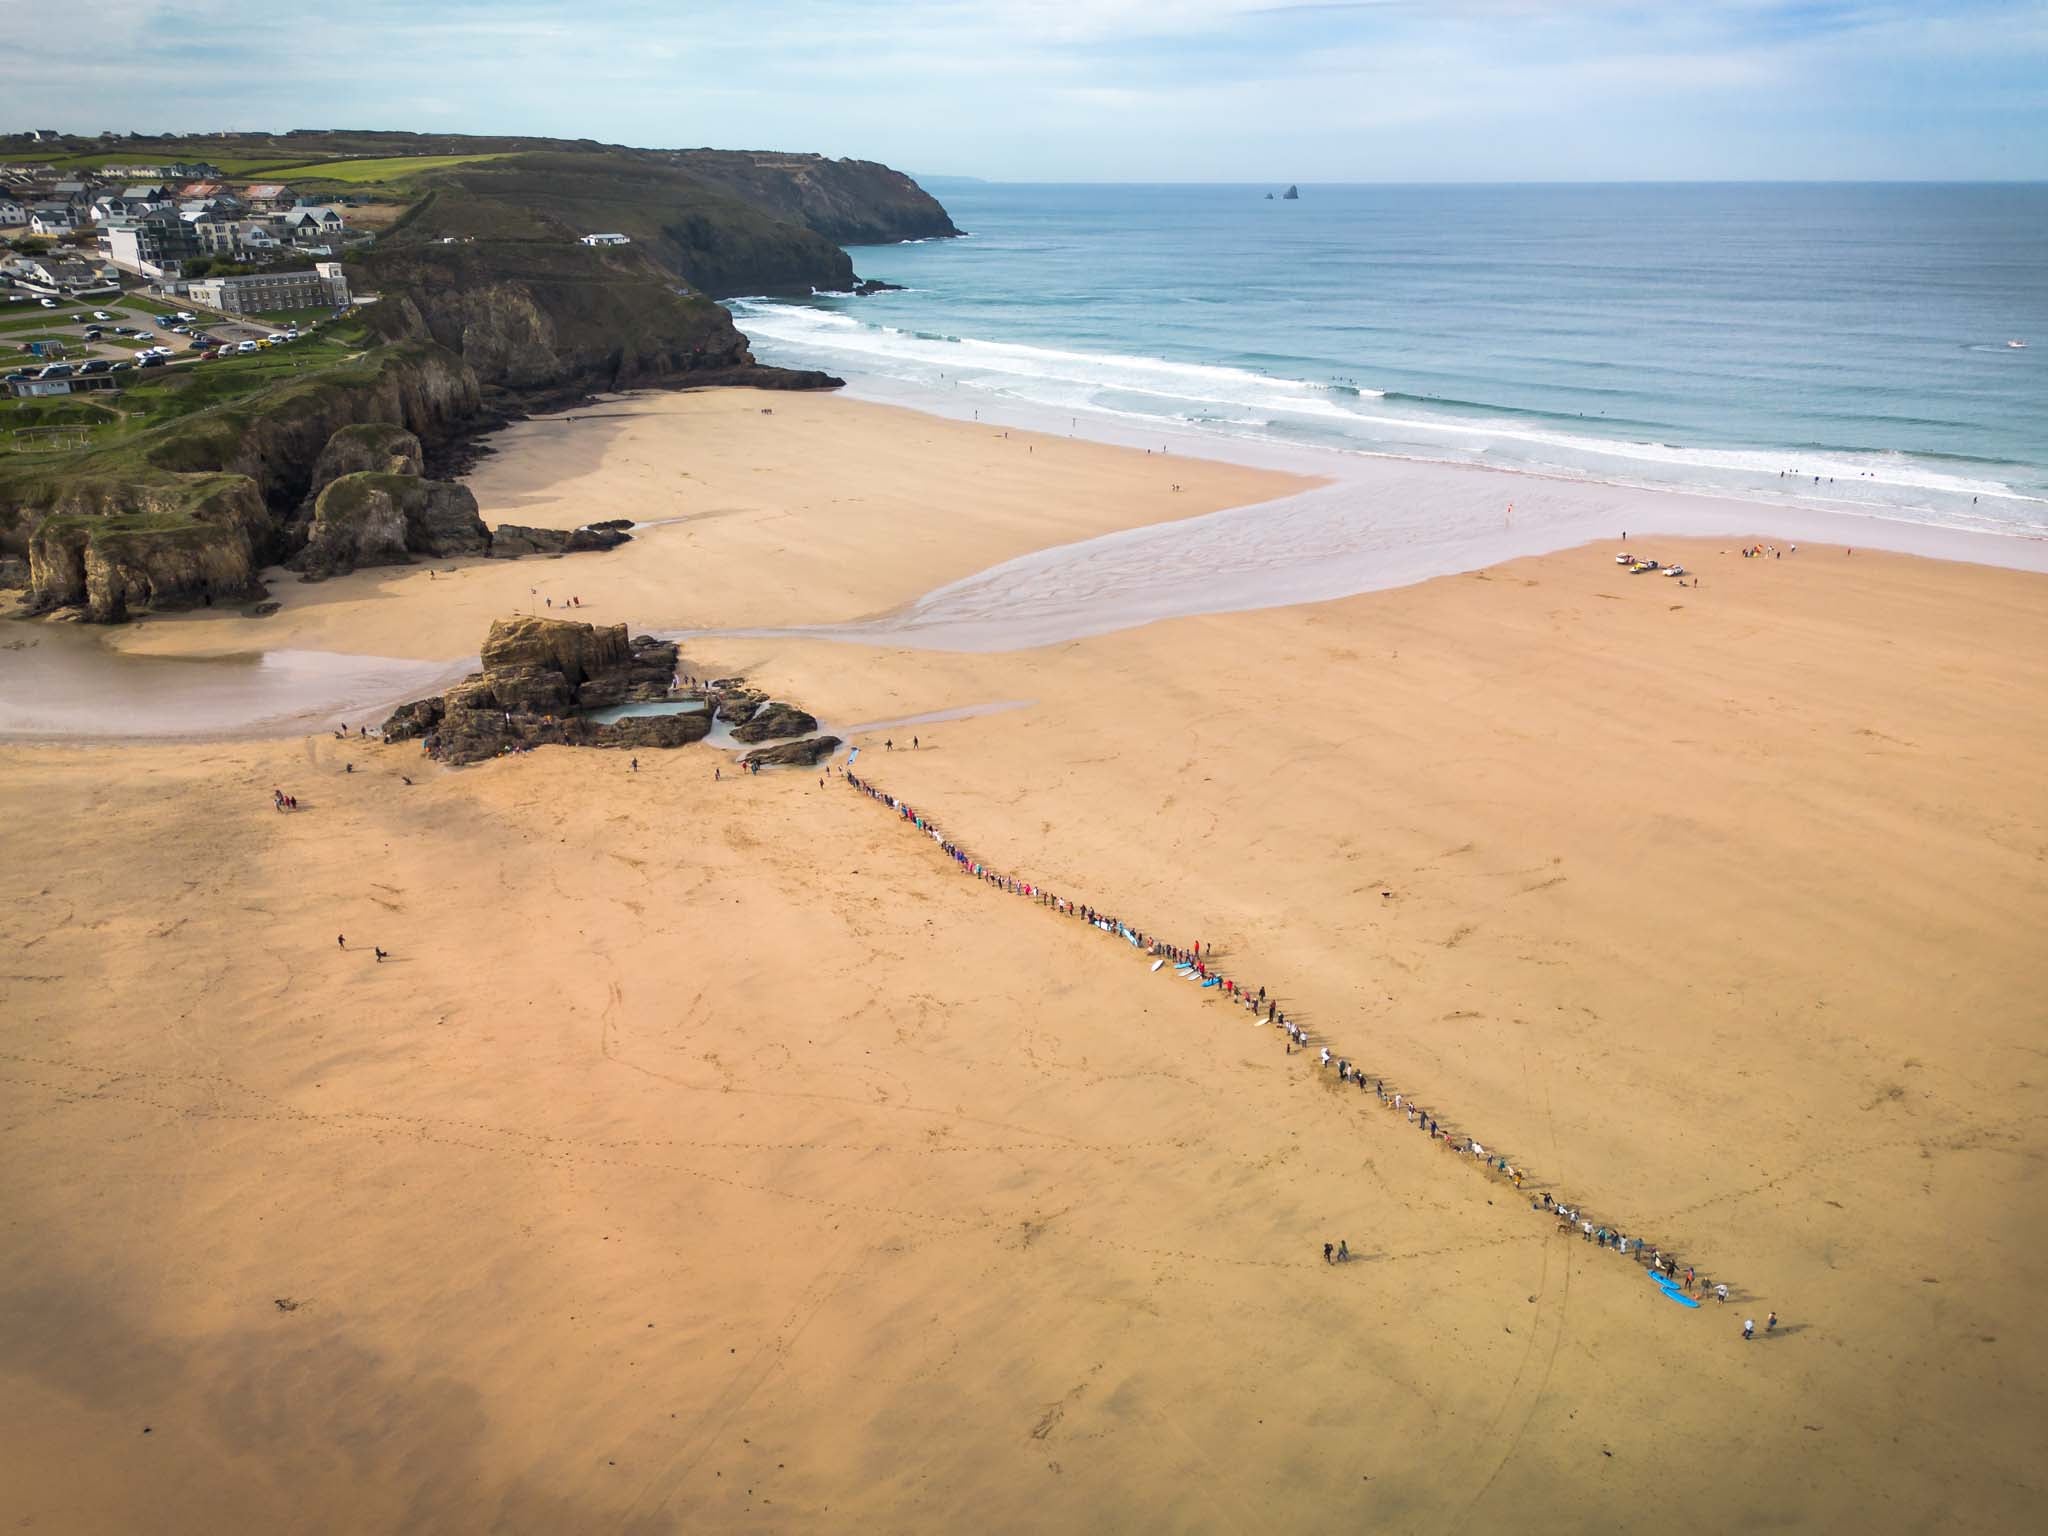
x: 365, y: 171
x: 230, y: 165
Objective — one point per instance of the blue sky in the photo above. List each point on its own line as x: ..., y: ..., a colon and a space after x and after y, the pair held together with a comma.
x: 1117, y: 90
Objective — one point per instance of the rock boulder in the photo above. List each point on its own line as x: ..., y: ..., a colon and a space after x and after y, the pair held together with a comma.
x: 372, y: 517
x: 807, y: 753
x: 774, y: 720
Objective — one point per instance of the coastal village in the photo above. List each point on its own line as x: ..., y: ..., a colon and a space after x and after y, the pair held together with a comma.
x: 115, y: 246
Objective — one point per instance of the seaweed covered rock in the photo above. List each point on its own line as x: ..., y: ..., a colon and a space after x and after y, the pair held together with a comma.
x: 773, y: 720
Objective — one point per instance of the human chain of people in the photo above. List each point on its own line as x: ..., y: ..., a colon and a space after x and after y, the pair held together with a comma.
x: 1195, y: 962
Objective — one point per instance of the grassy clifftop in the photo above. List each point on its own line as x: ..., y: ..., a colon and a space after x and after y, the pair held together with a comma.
x: 718, y: 243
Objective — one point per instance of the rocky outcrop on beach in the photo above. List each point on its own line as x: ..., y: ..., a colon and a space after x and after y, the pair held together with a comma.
x: 374, y: 517
x: 734, y: 702
x: 511, y: 540
x: 540, y: 674
x: 806, y: 753
x: 537, y: 674
x: 775, y: 720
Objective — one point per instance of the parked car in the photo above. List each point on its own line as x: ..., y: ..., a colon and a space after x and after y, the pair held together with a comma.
x: 143, y: 335
x: 226, y: 351
x: 246, y: 346
x: 118, y: 367
x: 18, y: 378
x: 124, y: 330
x: 101, y: 314
x: 96, y: 365
x: 93, y: 333
x: 57, y: 371
x: 165, y: 319
x: 149, y: 362
x: 186, y: 314
x: 48, y: 303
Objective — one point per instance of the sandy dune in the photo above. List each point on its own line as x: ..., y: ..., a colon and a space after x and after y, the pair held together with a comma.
x: 710, y: 1156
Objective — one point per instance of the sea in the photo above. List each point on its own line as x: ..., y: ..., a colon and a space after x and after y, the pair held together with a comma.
x: 1870, y: 348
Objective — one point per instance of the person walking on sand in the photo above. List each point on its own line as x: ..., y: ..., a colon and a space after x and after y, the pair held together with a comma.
x: 380, y: 954
x: 341, y: 939
x: 1749, y: 1328
x: 1771, y: 1323
x: 1343, y: 1251
x: 635, y: 765
x: 1720, y: 1292
x: 1329, y: 1253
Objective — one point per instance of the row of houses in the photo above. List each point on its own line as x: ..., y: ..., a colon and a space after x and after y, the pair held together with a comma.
x: 153, y: 227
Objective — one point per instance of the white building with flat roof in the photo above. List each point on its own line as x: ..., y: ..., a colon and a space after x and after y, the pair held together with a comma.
x: 267, y: 292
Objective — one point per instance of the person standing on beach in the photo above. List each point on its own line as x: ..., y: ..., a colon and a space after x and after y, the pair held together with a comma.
x: 1749, y: 1328
x: 1329, y: 1253
x: 341, y: 939
x: 1771, y: 1323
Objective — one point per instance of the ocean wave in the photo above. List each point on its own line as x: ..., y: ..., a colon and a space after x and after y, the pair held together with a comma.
x: 1222, y: 398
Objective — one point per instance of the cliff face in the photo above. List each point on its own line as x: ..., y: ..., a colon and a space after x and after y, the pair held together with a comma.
x: 550, y: 315
x: 113, y: 548
x: 849, y: 202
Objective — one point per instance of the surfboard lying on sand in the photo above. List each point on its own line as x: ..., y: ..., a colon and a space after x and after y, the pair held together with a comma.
x: 1157, y: 963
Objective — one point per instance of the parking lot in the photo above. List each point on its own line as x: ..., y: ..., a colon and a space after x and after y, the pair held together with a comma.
x: 106, y: 331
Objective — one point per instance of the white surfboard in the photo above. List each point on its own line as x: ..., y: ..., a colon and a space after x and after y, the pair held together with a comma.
x: 1157, y: 963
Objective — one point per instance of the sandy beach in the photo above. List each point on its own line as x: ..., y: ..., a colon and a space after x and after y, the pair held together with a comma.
x: 712, y: 1155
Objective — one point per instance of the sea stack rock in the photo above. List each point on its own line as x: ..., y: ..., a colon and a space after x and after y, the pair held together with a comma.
x: 538, y: 675
x: 1291, y: 195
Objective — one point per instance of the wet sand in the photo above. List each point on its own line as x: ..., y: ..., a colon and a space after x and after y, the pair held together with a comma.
x: 710, y: 1156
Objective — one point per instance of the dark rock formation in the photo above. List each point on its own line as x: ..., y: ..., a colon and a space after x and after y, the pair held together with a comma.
x: 511, y: 540
x: 735, y: 703
x: 537, y: 674
x: 13, y: 571
x: 871, y: 285
x: 1292, y: 194
x: 376, y: 518
x: 807, y: 753
x: 773, y: 720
